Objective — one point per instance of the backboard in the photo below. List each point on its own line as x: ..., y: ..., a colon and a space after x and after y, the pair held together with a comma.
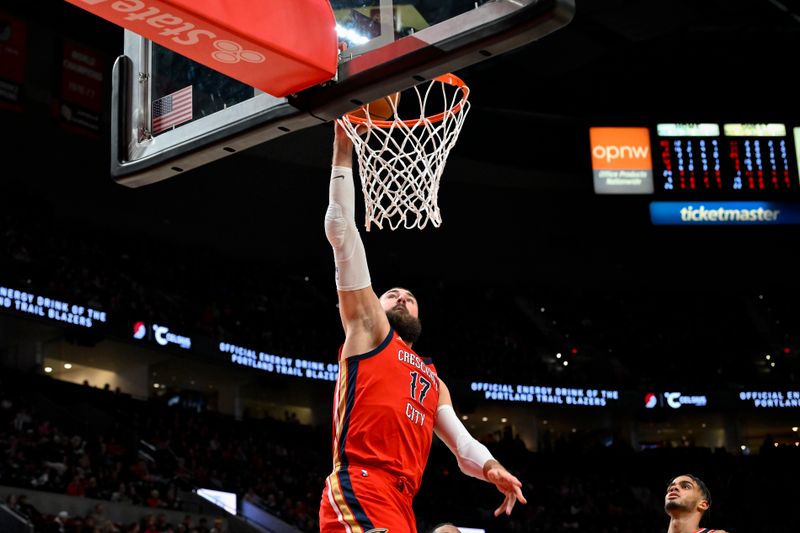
x: 171, y: 114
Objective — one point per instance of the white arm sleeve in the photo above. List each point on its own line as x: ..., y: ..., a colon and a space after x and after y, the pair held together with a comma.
x: 471, y: 454
x: 352, y: 272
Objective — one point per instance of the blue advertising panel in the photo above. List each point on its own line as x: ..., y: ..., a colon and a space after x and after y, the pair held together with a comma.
x: 715, y: 213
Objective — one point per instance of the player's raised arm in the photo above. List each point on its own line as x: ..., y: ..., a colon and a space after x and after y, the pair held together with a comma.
x: 364, y: 320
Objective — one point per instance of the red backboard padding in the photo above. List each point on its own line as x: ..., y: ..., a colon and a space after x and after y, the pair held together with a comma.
x: 278, y: 46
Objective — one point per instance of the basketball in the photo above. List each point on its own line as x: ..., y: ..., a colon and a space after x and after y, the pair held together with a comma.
x: 380, y: 109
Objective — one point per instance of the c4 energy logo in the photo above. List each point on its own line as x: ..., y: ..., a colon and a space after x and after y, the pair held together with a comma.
x: 621, y: 160
x: 723, y: 213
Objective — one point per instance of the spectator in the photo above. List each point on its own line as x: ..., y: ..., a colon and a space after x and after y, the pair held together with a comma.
x: 59, y: 523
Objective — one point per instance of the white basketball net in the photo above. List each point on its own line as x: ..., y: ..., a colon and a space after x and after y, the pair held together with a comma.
x: 401, y: 161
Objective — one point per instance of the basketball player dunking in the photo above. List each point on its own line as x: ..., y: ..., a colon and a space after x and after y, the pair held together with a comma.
x: 388, y: 400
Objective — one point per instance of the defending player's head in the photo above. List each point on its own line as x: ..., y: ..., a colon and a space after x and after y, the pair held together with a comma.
x: 403, y: 313
x: 445, y: 527
x: 687, y: 494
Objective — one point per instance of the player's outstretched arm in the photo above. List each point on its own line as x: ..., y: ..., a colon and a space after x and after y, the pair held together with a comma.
x: 474, y: 459
x: 364, y: 321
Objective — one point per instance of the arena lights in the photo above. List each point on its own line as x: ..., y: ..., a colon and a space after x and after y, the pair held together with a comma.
x: 350, y: 35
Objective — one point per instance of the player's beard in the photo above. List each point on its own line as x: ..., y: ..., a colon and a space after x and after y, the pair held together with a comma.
x: 672, y: 505
x: 408, y: 327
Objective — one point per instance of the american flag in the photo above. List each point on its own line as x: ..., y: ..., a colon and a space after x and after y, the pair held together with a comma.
x: 173, y: 109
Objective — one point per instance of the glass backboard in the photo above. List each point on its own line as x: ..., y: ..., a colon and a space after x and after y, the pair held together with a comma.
x: 171, y: 114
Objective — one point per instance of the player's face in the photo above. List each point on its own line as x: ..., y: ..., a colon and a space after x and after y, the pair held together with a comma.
x: 683, y: 493
x: 400, y: 300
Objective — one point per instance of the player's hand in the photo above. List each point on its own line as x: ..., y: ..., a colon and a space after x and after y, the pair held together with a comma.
x: 340, y: 135
x: 506, y: 483
x: 340, y: 131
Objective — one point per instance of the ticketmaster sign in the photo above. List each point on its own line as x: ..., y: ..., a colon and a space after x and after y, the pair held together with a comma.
x: 723, y: 213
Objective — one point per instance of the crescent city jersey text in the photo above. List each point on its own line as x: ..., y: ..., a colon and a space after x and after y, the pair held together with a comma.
x: 384, y: 411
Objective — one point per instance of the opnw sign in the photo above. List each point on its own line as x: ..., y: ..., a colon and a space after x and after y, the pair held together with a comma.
x: 254, y: 42
x: 621, y: 160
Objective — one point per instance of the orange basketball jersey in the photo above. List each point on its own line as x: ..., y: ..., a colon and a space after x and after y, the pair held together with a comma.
x: 384, y: 411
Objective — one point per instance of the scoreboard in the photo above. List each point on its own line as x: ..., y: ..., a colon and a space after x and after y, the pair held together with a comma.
x: 721, y: 173
x: 736, y: 157
x: 668, y: 160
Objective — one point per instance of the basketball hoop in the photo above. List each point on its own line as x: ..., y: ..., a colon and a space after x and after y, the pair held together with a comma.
x: 401, y: 161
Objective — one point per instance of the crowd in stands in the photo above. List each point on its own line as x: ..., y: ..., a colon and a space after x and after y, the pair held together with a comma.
x: 97, y: 520
x: 81, y: 441
x: 55, y: 437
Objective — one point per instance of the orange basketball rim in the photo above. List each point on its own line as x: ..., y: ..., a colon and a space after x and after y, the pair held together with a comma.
x: 447, y: 79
